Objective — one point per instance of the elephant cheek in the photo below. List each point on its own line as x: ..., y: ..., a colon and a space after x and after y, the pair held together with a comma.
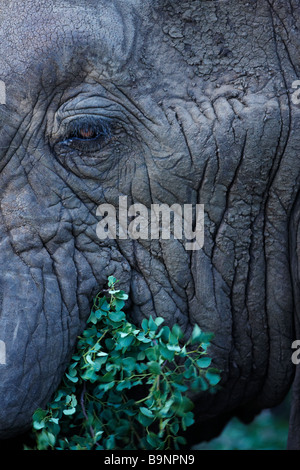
x: 36, y: 336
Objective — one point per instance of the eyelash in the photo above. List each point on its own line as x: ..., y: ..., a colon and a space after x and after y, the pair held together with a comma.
x: 88, y: 135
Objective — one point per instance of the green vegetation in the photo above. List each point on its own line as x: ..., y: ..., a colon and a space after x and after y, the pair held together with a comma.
x: 126, y: 387
x: 266, y: 432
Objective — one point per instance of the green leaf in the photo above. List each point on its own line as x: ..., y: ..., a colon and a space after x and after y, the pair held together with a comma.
x: 102, y: 353
x: 196, y: 335
x: 166, y: 352
x: 54, y: 420
x: 152, y: 325
x: 117, y: 316
x: 213, y: 378
x: 199, y: 384
x: 206, y: 338
x: 128, y: 363
x: 145, y: 324
x: 159, y: 320
x: 177, y: 332
x: 124, y: 384
x: 144, y: 420
x: 154, y: 367
x: 119, y: 304
x: 92, y: 318
x: 165, y: 410
x: 112, y: 292
x: 146, y: 412
x: 154, y: 441
x: 110, y: 443
x: 58, y: 395
x: 72, y: 379
x: 69, y: 411
x: 49, y: 438
x: 180, y: 387
x: 38, y: 425
x: 164, y: 334
x: 187, y: 420
x: 203, y: 362
x: 102, y: 305
x: 124, y: 343
x: 182, y: 404
x: 100, y: 313
x: 143, y: 339
x: 111, y: 281
x: 180, y: 440
x: 89, y: 375
x: 151, y: 354
x: 121, y: 295
x: 174, y: 427
x: 39, y: 414
x: 89, y: 359
x: 90, y: 332
x: 174, y: 347
x: 76, y: 357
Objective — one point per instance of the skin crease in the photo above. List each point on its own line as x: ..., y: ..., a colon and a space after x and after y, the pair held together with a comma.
x: 198, y: 97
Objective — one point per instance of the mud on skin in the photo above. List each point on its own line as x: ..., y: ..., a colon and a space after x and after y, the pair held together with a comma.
x: 163, y: 102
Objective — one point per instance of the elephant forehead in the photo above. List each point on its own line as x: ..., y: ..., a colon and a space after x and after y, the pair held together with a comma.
x: 36, y: 29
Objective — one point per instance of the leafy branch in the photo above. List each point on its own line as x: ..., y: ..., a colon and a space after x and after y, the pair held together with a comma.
x: 126, y: 387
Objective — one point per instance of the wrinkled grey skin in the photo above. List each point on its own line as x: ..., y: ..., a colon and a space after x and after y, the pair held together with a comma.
x: 200, y: 96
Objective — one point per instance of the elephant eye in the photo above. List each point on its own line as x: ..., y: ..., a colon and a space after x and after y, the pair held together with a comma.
x: 88, y: 134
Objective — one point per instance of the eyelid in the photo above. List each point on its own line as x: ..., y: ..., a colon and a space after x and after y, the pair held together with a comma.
x: 76, y: 108
x: 100, y: 127
x: 71, y: 138
x: 94, y: 109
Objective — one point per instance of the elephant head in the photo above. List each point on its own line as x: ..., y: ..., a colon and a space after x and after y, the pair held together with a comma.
x: 162, y: 102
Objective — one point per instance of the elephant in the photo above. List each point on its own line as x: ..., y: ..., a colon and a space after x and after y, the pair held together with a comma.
x: 162, y: 102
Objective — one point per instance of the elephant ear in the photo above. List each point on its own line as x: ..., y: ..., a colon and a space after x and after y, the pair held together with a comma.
x: 286, y: 23
x: 294, y: 236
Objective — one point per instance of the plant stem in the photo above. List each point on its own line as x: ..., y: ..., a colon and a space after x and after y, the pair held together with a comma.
x: 82, y: 397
